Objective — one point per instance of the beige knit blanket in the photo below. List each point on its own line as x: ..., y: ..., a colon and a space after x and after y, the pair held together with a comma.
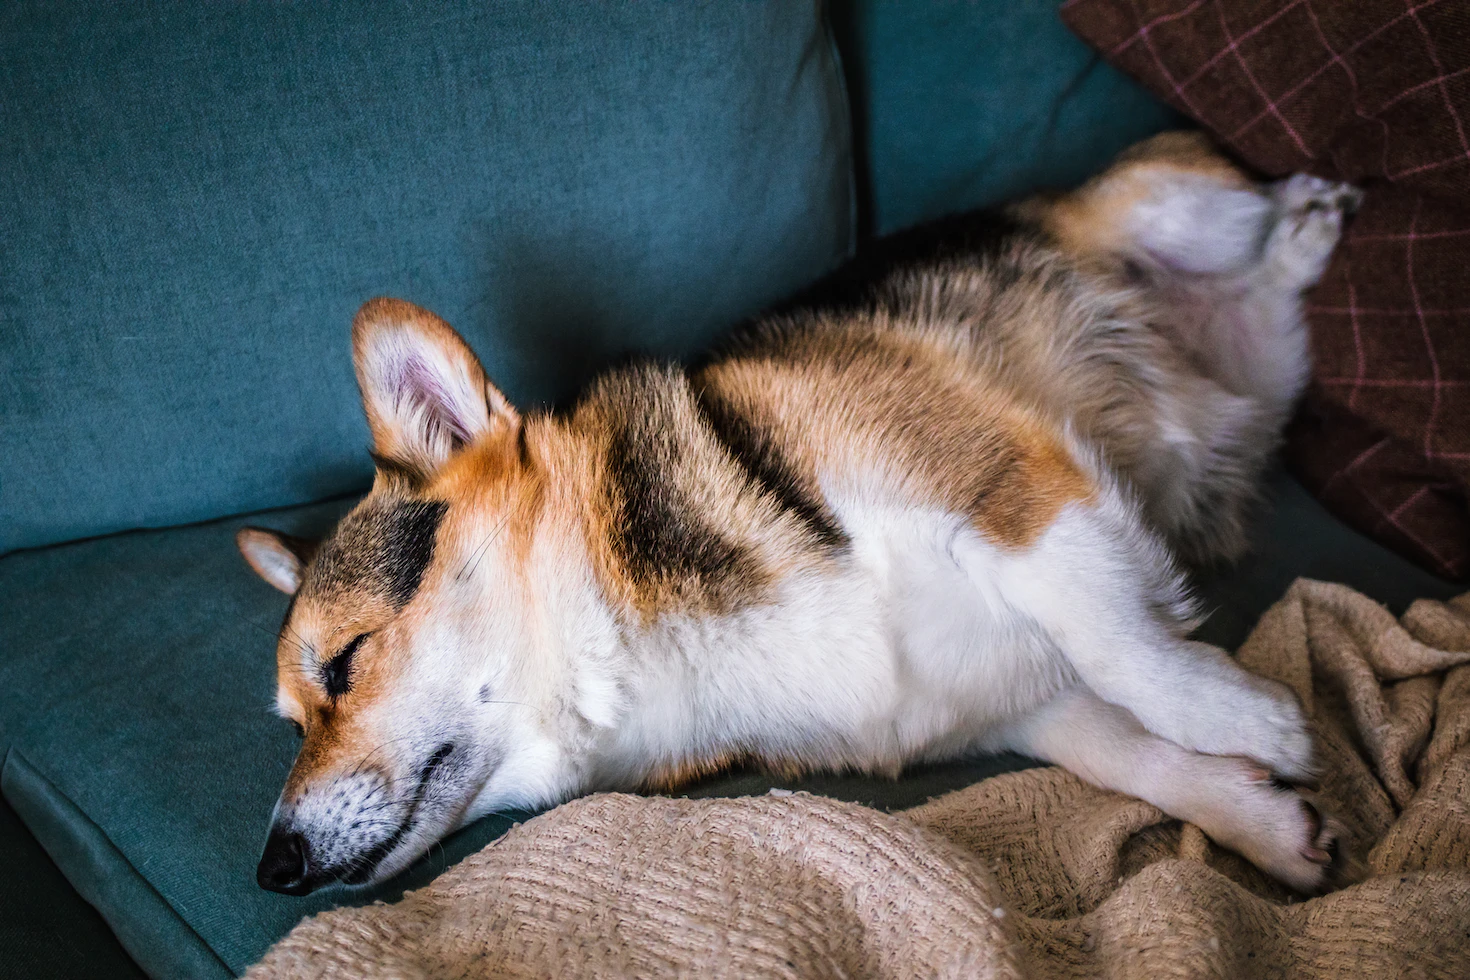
x: 1028, y: 874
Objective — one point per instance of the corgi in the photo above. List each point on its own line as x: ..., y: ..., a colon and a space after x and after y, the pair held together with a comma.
x: 937, y: 506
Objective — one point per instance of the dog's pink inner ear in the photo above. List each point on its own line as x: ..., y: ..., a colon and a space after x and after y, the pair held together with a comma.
x: 418, y: 387
x: 424, y: 391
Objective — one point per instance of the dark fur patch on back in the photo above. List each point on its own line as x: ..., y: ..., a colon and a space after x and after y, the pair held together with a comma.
x: 657, y: 534
x: 383, y: 547
x: 757, y: 454
x: 658, y: 537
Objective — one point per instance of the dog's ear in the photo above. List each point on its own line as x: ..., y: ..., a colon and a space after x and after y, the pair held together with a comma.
x: 423, y: 389
x: 278, y: 558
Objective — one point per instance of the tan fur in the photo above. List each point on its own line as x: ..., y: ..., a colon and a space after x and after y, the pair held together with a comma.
x: 493, y: 477
x: 695, y: 466
x: 334, y: 739
x: 870, y: 395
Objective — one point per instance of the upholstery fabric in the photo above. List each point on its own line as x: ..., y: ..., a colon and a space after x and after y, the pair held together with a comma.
x: 1028, y: 875
x: 1376, y: 92
x: 138, y: 673
x: 197, y: 197
x: 961, y: 104
x: 154, y: 936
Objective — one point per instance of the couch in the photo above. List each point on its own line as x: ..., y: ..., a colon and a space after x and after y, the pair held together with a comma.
x: 196, y: 199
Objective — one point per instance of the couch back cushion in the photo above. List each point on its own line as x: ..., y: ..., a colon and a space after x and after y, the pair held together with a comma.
x: 197, y: 197
x: 968, y: 103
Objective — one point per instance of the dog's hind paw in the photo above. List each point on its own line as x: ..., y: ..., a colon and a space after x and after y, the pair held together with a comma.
x: 1311, y: 213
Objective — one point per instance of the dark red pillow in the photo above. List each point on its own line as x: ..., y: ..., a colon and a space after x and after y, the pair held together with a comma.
x: 1376, y: 92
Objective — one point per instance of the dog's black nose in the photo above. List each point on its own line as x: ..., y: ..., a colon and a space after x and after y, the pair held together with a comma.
x: 285, y: 865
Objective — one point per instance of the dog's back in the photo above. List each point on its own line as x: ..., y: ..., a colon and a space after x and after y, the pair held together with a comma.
x: 1177, y: 354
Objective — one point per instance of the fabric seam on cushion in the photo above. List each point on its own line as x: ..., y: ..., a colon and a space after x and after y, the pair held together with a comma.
x: 182, y: 954
x: 837, y: 69
x: 152, y: 529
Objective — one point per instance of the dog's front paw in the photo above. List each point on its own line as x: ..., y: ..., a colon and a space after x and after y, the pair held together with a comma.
x: 1290, y: 838
x: 1276, y: 733
x: 1311, y: 214
x: 1256, y: 718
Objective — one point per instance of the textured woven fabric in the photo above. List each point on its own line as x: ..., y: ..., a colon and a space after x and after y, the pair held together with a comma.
x: 1376, y: 92
x: 196, y: 197
x: 1030, y: 874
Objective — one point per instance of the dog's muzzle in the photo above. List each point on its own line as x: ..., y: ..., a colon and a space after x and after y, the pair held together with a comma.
x: 287, y: 867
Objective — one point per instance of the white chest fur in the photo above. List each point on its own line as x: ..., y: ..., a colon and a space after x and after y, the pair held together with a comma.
x: 917, y: 647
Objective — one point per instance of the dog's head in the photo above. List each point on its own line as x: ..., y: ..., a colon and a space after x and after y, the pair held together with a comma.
x: 417, y: 658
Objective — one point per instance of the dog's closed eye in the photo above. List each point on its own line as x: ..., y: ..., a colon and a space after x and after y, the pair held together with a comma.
x: 337, y: 672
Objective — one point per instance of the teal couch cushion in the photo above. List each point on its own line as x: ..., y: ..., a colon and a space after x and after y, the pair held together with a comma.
x: 139, y: 671
x: 963, y: 104
x: 196, y: 198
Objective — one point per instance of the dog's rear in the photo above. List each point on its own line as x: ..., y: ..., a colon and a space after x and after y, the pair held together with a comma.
x: 1217, y: 265
x: 925, y: 513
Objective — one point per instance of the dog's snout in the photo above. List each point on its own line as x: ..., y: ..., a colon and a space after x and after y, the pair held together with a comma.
x: 285, y: 866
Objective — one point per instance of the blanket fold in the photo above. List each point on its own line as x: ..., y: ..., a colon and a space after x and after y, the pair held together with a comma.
x: 1028, y: 874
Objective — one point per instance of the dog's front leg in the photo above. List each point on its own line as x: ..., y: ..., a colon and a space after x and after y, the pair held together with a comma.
x: 1189, y: 693
x: 1098, y: 609
x: 1234, y: 800
x: 1102, y: 592
x: 1196, y: 696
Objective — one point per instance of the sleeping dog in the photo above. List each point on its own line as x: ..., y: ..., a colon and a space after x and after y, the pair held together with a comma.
x: 932, y: 508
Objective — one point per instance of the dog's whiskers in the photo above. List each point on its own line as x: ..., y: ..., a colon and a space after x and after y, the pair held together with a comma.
x: 380, y: 746
x: 473, y: 562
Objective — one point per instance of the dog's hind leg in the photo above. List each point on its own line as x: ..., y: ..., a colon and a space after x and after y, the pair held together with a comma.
x: 1219, y: 263
x: 1234, y: 800
x: 1222, y: 259
x: 1243, y: 324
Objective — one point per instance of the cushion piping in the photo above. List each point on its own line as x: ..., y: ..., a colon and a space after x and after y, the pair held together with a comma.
x: 153, y: 934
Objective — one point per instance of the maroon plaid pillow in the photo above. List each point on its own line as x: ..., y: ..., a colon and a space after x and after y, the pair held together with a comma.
x: 1376, y: 92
